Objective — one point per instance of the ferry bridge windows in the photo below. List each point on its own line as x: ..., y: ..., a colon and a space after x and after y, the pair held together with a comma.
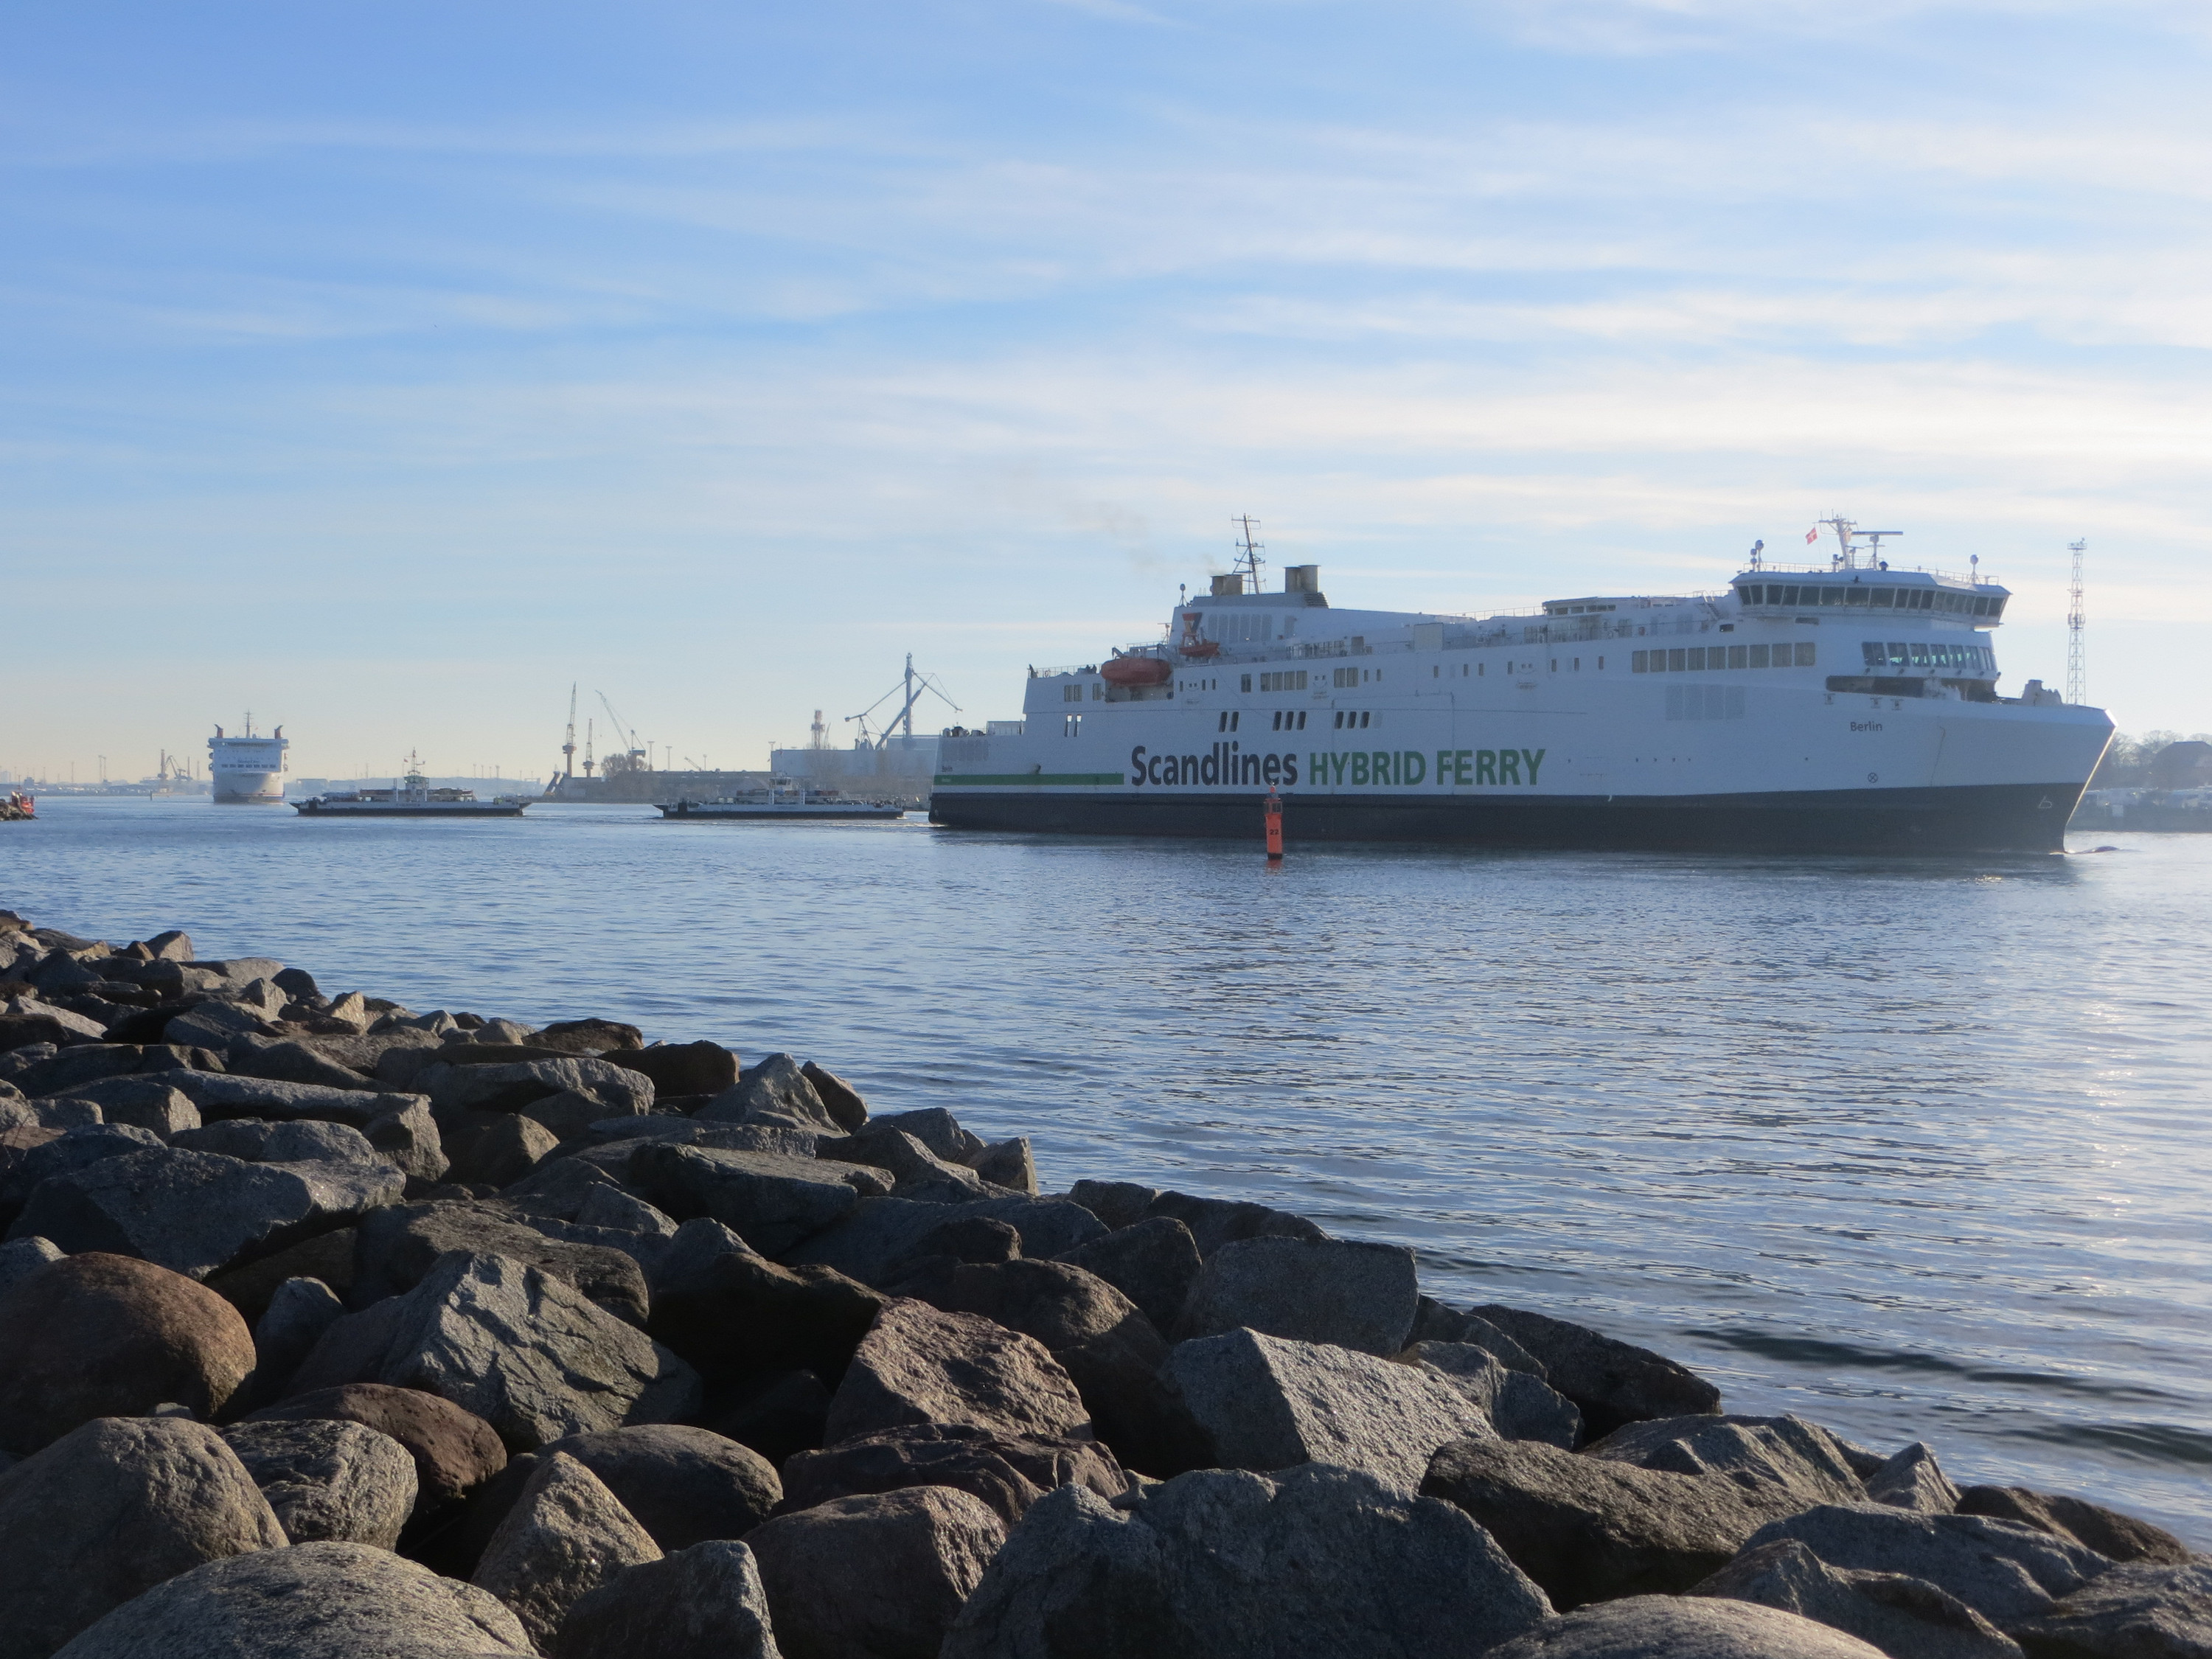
x: 1347, y: 677
x: 1070, y: 694
x: 1704, y: 659
x: 1288, y: 679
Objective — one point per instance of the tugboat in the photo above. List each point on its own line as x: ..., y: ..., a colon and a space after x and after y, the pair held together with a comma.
x: 780, y: 802
x: 17, y: 804
x: 411, y: 797
x: 1842, y: 707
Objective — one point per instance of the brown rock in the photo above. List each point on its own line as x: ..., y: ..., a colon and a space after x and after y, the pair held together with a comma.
x: 682, y: 1068
x: 920, y: 1365
x: 842, y: 1100
x: 454, y: 1451
x: 881, y: 1576
x: 98, y: 1335
x: 1009, y: 1474
x: 327, y: 1256
x: 2108, y: 1531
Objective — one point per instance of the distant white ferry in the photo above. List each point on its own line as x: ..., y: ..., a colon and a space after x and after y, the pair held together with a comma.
x: 1848, y: 707
x: 249, y: 770
x: 410, y: 797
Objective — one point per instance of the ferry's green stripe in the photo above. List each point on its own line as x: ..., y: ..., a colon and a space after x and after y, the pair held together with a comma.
x: 1027, y: 777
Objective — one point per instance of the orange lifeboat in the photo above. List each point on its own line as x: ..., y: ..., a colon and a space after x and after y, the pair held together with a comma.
x: 1135, y: 671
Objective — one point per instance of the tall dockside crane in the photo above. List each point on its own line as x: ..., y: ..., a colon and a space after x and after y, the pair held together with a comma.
x: 567, y: 748
x: 2077, y: 668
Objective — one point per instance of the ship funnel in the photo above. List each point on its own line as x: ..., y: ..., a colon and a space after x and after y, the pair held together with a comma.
x: 1301, y: 579
x: 1228, y: 587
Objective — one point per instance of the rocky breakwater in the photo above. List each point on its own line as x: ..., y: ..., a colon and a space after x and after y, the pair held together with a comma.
x: 329, y: 1329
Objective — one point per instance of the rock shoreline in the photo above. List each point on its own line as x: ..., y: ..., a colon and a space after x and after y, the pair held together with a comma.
x: 331, y: 1330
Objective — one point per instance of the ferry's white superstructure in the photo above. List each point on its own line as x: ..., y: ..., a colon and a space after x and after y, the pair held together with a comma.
x: 248, y: 769
x: 1851, y: 708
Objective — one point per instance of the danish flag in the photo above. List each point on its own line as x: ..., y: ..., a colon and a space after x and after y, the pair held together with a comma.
x: 1812, y: 535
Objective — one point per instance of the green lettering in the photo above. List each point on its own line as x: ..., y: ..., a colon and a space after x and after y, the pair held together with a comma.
x: 1413, y: 768
x: 1535, y: 758
x: 1443, y: 765
x: 1462, y: 774
x: 1360, y: 766
x: 1509, y: 766
x: 1486, y: 766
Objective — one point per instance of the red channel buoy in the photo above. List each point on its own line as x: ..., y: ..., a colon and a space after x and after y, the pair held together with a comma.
x: 1274, y: 827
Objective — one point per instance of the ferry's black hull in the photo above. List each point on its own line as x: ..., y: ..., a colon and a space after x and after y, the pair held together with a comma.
x: 1981, y: 818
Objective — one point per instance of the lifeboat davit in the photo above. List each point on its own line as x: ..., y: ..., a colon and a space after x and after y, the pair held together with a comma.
x: 1201, y: 650
x: 1135, y: 671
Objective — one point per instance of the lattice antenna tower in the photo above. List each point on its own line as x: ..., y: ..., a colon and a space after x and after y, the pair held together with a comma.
x: 1248, y: 561
x: 2077, y: 669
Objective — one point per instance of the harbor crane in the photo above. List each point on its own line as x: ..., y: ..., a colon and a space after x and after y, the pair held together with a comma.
x: 631, y: 758
x: 914, y: 685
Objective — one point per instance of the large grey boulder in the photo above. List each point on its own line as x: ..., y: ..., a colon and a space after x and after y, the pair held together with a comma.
x: 771, y: 1202
x: 2140, y: 1610
x: 286, y: 1334
x: 1153, y: 1262
x: 1008, y: 1473
x: 704, y: 1603
x: 1110, y: 1349
x: 2003, y: 1572
x: 683, y: 1485
x: 915, y: 1171
x: 1520, y: 1404
x: 408, y: 1137
x: 526, y: 1351
x: 1590, y: 1531
x: 1349, y: 1294
x: 219, y: 1095
x: 400, y: 1243
x: 1667, y: 1627
x: 108, y: 1511
x: 1263, y: 1403
x: 1912, y: 1479
x: 880, y: 1233
x: 144, y: 1102
x: 514, y: 1087
x: 2108, y: 1531
x: 313, y: 1601
x: 107, y: 1336
x: 919, y: 1366
x: 1784, y: 1463
x: 775, y: 1094
x: 295, y: 1141
x: 565, y: 1536
x: 1613, y: 1383
x: 77, y: 1148
x: 1212, y: 1221
x: 1233, y: 1565
x: 879, y: 1577
x: 197, y: 1212
x: 329, y: 1481
x: 1906, y: 1618
x: 290, y: 1062
x: 21, y: 1257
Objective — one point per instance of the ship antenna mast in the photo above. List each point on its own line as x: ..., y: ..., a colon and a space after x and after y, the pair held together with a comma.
x: 2077, y: 671
x: 1248, y: 561
x: 1843, y: 527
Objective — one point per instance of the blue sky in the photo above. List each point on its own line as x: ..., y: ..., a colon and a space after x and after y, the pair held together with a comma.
x: 384, y: 369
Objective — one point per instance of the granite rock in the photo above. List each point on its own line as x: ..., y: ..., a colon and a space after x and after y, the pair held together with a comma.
x: 920, y: 1365
x: 454, y: 1451
x: 1611, y: 1382
x: 1348, y: 1294
x: 566, y: 1535
x: 329, y: 1481
x: 1263, y: 1403
x: 703, y: 1602
x: 1667, y: 1627
x: 1906, y: 1618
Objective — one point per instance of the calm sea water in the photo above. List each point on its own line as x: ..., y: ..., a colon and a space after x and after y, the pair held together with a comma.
x: 1914, y: 1149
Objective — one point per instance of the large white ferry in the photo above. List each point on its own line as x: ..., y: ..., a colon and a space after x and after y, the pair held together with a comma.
x: 249, y: 769
x: 1847, y: 708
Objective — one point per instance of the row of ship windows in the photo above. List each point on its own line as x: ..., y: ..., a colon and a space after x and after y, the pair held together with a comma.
x: 1806, y: 594
x: 1703, y: 659
x: 1923, y: 653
